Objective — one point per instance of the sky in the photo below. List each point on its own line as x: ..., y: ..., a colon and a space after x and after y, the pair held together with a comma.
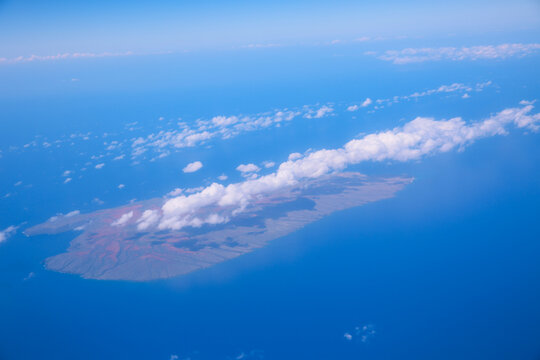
x: 53, y: 27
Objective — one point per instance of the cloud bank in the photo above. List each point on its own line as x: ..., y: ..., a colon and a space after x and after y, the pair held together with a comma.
x: 416, y: 55
x: 416, y: 139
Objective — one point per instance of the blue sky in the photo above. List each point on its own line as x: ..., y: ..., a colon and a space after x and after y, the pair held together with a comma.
x: 47, y: 28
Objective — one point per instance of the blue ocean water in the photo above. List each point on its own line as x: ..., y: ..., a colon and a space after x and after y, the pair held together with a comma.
x: 447, y: 269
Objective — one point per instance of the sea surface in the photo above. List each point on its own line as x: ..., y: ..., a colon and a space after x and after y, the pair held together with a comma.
x: 447, y: 269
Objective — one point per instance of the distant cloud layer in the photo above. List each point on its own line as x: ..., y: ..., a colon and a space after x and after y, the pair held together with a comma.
x: 62, y: 56
x: 416, y: 55
x: 419, y: 137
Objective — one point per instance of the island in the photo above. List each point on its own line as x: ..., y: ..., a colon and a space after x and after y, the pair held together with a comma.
x: 104, y: 249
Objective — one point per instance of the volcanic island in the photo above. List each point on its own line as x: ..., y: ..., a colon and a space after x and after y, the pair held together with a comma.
x: 103, y: 250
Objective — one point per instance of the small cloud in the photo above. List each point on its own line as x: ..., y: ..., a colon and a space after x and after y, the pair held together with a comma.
x: 192, y: 167
x: 98, y: 201
x: 7, y: 232
x: 269, y: 164
x: 366, y: 102
x: 18, y: 183
x: 173, y: 357
x: 99, y: 166
x: 248, y: 168
x: 122, y: 220
x: 294, y: 156
x: 67, y: 180
x: 72, y: 213
x: 362, y: 333
x: 175, y: 192
x: 222, y: 177
x: 362, y: 39
x: 66, y: 173
x: 321, y: 112
x: 121, y: 186
x: 30, y: 275
x: 353, y: 108
x: 465, y: 96
x: 119, y: 157
x: 527, y: 102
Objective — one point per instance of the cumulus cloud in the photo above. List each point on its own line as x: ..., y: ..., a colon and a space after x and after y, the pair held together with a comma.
x: 147, y: 219
x: 122, y: 220
x: 416, y: 139
x: 192, y: 167
x: 416, y: 55
x: 268, y: 164
x: 100, y: 166
x: 7, y: 232
x: 222, y: 177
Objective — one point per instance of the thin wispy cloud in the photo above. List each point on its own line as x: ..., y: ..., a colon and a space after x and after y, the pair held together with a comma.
x: 7, y: 232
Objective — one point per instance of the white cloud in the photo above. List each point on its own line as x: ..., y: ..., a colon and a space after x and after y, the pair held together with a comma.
x: 72, y: 213
x: 147, y: 219
x: 122, y: 220
x: 366, y: 102
x: 268, y: 164
x: 66, y: 173
x: 465, y: 96
x: 175, y: 192
x: 224, y: 120
x: 416, y: 139
x: 443, y: 89
x: 67, y: 180
x: 416, y: 55
x: 121, y: 186
x: 192, y: 167
x: 248, y: 168
x: 99, y: 166
x: 7, y: 232
x: 294, y: 156
x: 319, y: 113
x: 61, y: 56
x: 222, y: 177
